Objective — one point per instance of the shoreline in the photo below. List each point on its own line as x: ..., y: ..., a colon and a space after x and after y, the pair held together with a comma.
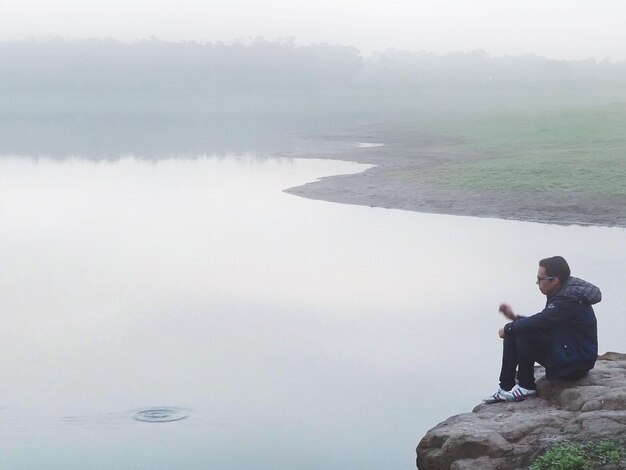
x: 402, y: 177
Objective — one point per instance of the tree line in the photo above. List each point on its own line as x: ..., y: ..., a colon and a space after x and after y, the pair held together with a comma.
x: 151, y: 64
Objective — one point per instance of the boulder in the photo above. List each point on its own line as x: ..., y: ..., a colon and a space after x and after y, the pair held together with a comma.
x: 510, y: 435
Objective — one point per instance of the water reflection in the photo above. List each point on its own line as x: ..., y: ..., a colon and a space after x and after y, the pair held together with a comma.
x: 153, y: 136
x: 302, y: 334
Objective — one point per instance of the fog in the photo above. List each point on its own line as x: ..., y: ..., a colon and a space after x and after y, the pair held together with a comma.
x: 179, y: 275
x: 60, y: 64
x: 103, y: 98
x: 555, y: 29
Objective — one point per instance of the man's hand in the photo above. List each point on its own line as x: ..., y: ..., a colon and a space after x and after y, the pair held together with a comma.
x: 501, y: 332
x: 507, y: 311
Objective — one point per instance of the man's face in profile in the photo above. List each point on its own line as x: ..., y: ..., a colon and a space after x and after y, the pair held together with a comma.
x: 547, y: 285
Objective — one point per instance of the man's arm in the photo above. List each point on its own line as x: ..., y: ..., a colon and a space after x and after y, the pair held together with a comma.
x: 556, y: 312
x: 507, y: 311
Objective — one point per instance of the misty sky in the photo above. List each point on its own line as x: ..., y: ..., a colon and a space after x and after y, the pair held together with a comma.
x: 554, y: 28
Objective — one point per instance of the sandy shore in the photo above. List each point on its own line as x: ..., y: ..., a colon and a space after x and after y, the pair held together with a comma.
x: 402, y: 178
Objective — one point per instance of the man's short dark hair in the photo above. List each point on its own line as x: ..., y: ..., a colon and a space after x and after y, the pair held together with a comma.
x: 556, y: 266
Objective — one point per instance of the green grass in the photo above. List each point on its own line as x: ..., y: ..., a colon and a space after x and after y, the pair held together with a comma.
x: 571, y: 456
x: 573, y: 150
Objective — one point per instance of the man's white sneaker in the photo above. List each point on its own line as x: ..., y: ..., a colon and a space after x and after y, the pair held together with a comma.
x: 520, y: 393
x: 517, y: 393
x: 498, y: 397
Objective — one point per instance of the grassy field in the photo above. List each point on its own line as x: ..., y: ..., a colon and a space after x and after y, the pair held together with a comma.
x: 581, y: 149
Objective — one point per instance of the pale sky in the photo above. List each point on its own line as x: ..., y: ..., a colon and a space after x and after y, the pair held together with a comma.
x: 563, y: 29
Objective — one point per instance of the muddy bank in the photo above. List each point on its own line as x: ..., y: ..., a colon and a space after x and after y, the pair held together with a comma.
x: 404, y: 178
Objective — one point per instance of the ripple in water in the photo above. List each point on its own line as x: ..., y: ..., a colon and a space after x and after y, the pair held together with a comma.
x: 160, y: 415
x: 367, y: 145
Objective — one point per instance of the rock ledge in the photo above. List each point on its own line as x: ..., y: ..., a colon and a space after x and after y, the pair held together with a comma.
x: 511, y: 435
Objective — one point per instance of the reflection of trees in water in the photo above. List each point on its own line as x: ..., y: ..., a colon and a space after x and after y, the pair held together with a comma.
x: 98, y: 137
x: 154, y: 125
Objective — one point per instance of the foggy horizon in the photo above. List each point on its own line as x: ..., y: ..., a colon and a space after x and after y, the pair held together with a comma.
x: 293, y: 42
x: 110, y: 64
x: 557, y: 30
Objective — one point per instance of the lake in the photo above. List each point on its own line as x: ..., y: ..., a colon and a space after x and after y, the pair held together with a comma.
x: 288, y: 333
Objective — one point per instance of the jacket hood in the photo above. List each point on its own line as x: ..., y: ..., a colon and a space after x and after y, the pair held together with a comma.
x: 582, y: 290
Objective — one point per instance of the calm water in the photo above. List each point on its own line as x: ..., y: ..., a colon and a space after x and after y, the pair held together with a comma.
x: 283, y: 332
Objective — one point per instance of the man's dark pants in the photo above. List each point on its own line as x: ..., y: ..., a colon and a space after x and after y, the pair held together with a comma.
x: 519, y: 354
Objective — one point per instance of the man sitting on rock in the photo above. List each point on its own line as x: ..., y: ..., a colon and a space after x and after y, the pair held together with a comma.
x: 562, y: 337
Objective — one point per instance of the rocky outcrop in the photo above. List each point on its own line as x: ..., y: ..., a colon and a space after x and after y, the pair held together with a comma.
x: 510, y: 435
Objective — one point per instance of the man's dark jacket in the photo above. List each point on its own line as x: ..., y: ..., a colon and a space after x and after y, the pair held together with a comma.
x: 570, y: 324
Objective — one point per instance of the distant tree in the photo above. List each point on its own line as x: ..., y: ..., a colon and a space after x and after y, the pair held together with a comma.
x: 151, y: 64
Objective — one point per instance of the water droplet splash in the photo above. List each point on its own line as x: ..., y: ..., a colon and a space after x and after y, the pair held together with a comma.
x: 160, y: 415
